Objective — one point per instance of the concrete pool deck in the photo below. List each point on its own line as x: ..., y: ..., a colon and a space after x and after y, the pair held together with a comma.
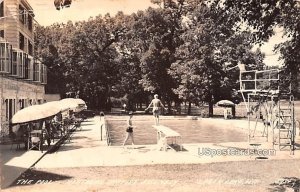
x: 87, y: 150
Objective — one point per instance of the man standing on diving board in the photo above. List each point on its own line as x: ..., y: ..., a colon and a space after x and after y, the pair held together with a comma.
x: 157, y: 105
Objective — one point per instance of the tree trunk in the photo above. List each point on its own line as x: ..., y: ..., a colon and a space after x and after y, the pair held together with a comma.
x: 210, y: 109
x: 169, y: 107
x: 178, y: 108
x: 189, y: 109
x: 233, y: 112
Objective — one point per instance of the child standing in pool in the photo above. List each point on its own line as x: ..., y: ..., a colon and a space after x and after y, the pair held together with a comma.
x: 129, y: 129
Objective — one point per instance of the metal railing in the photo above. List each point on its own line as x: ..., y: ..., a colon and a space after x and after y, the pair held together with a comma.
x: 108, y: 139
x: 104, y: 126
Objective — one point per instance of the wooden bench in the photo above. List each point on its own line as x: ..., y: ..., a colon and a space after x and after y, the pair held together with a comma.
x: 163, y: 134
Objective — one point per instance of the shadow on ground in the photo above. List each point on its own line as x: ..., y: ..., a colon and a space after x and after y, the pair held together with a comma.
x: 64, y: 148
x: 8, y: 174
x: 177, y: 147
x: 33, y: 176
x: 286, y: 184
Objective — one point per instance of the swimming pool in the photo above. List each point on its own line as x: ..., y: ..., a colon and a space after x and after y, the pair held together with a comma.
x: 191, y: 131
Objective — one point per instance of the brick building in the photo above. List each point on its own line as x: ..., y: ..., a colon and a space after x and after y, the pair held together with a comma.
x: 22, y: 76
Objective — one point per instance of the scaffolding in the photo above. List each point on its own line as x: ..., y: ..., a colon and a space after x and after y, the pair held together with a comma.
x: 270, y: 107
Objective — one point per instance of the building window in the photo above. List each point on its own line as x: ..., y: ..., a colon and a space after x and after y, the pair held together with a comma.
x: 2, y: 57
x: 29, y: 68
x: 36, y: 71
x: 2, y: 9
x: 22, y: 103
x: 21, y: 41
x: 30, y: 48
x: 10, y: 108
x: 14, y: 70
x: 22, y: 16
x: 25, y: 45
x: 31, y: 63
x: 43, y: 74
x: 21, y: 65
x: 2, y: 33
x: 29, y: 22
x: 5, y: 57
x: 18, y: 64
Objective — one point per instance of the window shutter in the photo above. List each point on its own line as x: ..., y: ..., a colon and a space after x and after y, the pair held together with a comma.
x: 5, y: 57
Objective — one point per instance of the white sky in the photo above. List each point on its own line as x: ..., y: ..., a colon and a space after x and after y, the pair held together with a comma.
x: 271, y: 58
x: 46, y: 14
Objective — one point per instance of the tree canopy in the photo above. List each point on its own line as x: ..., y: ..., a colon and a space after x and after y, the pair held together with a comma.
x: 180, y: 50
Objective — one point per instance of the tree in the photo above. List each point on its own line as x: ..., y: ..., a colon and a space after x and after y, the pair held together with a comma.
x: 47, y: 48
x: 72, y: 51
x: 180, y: 50
x: 264, y: 17
x: 209, y: 43
x: 153, y: 39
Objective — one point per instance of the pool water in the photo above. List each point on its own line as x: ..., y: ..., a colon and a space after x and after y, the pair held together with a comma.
x: 191, y: 131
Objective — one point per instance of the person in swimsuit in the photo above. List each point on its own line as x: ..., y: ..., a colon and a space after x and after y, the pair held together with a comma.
x: 129, y: 129
x: 157, y: 105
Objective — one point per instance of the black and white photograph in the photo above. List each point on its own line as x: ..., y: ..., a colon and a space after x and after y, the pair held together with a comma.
x: 149, y: 95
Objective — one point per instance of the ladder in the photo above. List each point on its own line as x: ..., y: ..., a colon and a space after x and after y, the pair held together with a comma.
x: 286, y: 122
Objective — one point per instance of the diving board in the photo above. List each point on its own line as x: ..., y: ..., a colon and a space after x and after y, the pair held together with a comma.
x: 164, y: 133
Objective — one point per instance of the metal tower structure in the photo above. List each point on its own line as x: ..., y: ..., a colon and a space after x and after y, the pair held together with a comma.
x: 270, y: 106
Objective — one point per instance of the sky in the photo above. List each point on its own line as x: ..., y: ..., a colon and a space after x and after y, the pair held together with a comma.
x: 46, y: 14
x: 271, y: 58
